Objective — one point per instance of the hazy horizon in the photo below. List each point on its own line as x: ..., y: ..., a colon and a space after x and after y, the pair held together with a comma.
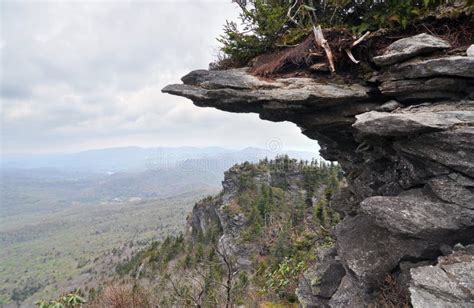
x: 274, y: 145
x: 79, y: 76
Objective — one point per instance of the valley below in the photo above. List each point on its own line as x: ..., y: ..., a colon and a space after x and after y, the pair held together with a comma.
x: 49, y: 253
x: 67, y: 221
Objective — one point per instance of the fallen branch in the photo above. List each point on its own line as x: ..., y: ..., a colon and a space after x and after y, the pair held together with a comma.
x: 322, y: 42
x: 360, y: 39
x: 351, y: 56
x: 355, y: 43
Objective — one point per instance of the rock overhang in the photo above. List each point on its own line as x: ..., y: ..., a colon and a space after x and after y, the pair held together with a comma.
x: 405, y: 139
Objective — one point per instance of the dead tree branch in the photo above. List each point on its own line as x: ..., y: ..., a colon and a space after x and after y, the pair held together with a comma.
x: 322, y: 42
x: 355, y: 43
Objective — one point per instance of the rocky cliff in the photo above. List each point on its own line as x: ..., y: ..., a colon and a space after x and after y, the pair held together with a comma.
x: 261, y: 232
x: 404, y: 136
x: 284, y: 184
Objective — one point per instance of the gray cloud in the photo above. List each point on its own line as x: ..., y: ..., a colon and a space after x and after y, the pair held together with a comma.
x: 82, y: 75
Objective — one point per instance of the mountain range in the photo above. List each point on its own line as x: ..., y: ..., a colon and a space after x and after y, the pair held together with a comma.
x: 46, y: 182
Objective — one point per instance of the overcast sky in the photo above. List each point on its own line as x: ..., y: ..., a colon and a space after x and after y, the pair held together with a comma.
x: 82, y: 75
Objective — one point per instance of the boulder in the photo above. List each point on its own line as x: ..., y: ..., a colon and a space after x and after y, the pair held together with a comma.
x: 448, y: 189
x: 349, y: 294
x: 416, y: 217
x: 322, y: 279
x: 450, y: 283
x: 404, y: 124
x: 234, y: 79
x: 410, y: 47
x: 369, y: 251
x: 404, y: 276
x: 325, y: 274
x: 452, y: 148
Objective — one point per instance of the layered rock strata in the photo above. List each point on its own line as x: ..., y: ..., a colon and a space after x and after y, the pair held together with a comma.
x: 405, y: 138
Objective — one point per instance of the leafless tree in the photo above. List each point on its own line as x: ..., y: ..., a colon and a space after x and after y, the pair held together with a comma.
x: 190, y: 289
x: 231, y: 268
x: 231, y: 272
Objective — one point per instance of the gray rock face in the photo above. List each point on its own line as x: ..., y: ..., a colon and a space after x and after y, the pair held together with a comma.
x: 349, y: 294
x: 410, y: 47
x: 428, y: 89
x: 223, y: 89
x: 452, y: 148
x: 417, y: 217
x: 233, y: 79
x: 203, y: 218
x: 321, y: 280
x: 424, y: 118
x: 393, y: 124
x: 450, y: 283
x: 422, y: 68
x: 453, y: 188
x: 409, y: 166
x: 370, y: 251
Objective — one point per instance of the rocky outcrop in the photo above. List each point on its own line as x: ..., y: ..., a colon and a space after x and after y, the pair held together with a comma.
x: 405, y: 138
x: 321, y: 281
x: 421, y: 89
x: 224, y: 214
x: 237, y: 91
x: 457, y: 66
x: 410, y: 47
x: 204, y: 220
x: 449, y: 283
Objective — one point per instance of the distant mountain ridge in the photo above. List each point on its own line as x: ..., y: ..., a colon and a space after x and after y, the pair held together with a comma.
x: 134, y: 159
x: 118, y: 175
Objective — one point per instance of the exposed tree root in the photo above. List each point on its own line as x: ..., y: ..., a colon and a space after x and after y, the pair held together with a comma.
x: 348, y: 51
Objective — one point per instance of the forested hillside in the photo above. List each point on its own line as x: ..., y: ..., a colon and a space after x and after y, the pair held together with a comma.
x: 64, y: 226
x: 250, y: 243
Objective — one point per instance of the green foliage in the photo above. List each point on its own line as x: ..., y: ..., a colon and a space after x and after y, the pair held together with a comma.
x: 263, y: 23
x: 282, y: 229
x: 268, y: 24
x: 255, y: 225
x: 158, y: 254
x: 283, y: 246
x: 239, y: 290
x: 69, y: 300
x: 284, y: 277
x: 265, y: 203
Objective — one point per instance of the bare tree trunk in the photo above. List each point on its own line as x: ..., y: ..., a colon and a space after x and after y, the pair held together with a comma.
x: 321, y: 42
x: 230, y: 274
